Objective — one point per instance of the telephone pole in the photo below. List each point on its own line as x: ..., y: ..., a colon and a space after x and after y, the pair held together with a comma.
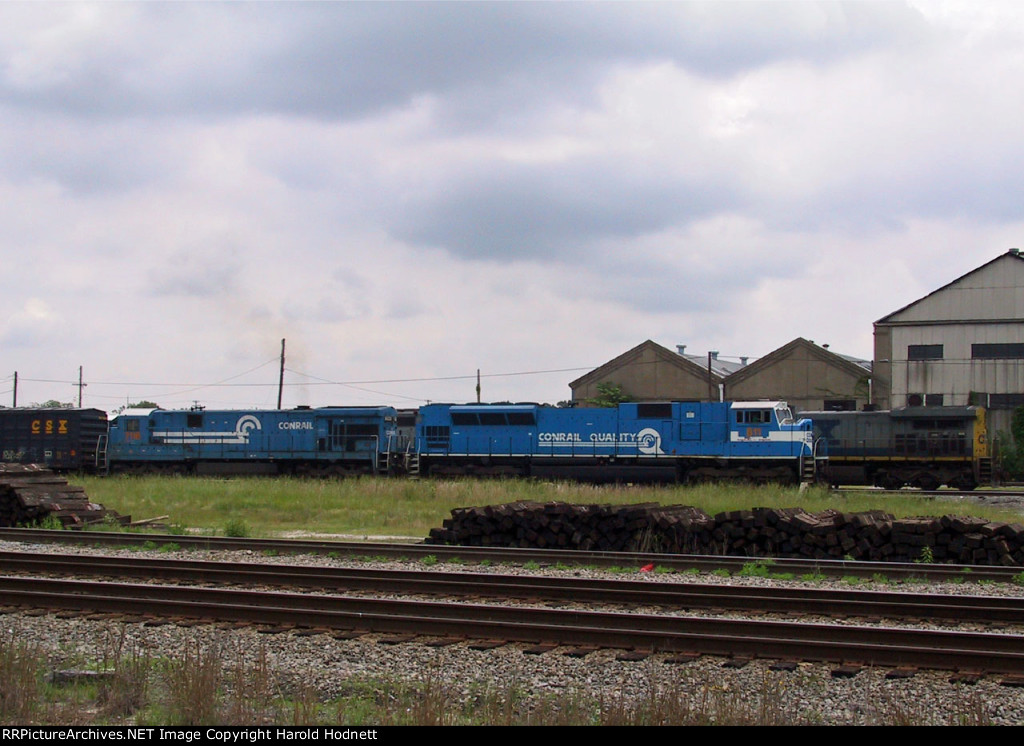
x: 280, y: 381
x: 80, y: 386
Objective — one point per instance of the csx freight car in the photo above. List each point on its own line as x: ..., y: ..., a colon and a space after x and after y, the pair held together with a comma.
x: 917, y: 446
x: 649, y: 441
x: 327, y: 441
x: 60, y: 439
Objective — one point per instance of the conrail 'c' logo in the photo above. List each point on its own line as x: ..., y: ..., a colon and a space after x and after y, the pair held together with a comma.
x: 245, y: 425
x: 649, y: 441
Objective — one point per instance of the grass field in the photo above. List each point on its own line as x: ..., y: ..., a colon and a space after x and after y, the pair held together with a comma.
x: 375, y: 507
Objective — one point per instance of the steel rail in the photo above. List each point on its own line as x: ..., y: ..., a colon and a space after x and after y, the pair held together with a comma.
x: 881, y: 646
x: 778, y: 599
x: 707, y: 563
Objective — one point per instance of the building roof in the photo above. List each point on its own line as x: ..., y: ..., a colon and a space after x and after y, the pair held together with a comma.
x: 853, y: 366
x: 686, y: 362
x: 1013, y: 255
x: 723, y: 368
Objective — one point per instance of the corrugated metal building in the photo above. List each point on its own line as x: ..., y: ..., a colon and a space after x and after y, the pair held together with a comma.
x: 961, y: 344
x: 802, y: 373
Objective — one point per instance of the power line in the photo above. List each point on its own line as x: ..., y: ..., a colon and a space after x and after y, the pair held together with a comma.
x: 223, y: 383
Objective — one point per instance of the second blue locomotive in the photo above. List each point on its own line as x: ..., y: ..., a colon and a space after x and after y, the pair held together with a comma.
x: 328, y: 441
x: 648, y: 441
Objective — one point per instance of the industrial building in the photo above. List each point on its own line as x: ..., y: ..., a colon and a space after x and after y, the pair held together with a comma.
x: 808, y: 376
x: 961, y: 344
x: 651, y: 372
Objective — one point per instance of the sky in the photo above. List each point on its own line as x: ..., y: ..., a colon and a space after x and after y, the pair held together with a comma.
x: 407, y: 193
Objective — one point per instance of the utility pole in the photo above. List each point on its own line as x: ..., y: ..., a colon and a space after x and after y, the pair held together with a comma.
x: 280, y: 381
x: 711, y: 380
x: 15, y: 403
x: 80, y: 386
x: 477, y: 385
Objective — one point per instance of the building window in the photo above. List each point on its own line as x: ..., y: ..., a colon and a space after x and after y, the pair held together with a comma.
x: 977, y: 399
x: 1005, y: 401
x: 915, y: 400
x: 924, y: 352
x: 1004, y: 351
x: 933, y: 400
x: 840, y: 405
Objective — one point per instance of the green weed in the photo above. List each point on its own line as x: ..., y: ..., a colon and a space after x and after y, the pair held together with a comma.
x: 758, y: 569
x: 236, y: 528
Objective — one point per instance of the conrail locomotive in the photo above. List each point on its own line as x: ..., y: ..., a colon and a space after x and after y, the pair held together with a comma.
x: 639, y: 441
x: 646, y: 441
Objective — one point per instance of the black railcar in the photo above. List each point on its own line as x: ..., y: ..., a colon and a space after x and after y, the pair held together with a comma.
x: 60, y: 439
x: 922, y: 447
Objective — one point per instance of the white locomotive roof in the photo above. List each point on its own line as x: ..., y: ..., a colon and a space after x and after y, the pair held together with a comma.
x: 758, y: 404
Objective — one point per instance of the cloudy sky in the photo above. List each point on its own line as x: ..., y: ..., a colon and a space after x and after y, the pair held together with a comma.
x: 410, y: 192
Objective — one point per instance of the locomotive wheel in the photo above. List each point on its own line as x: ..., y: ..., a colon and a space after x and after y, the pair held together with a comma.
x: 890, y: 483
x: 964, y: 483
x: 927, y: 482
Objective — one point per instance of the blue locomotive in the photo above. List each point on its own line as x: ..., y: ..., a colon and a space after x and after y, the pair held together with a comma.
x: 327, y: 441
x: 633, y: 442
x: 636, y: 442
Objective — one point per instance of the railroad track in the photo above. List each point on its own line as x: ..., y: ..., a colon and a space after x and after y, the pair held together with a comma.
x: 528, y: 557
x: 824, y: 602
x: 979, y: 494
x: 980, y: 652
x: 648, y: 633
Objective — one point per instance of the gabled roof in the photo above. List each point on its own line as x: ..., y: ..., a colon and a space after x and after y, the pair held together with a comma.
x: 1013, y: 255
x: 843, y: 362
x: 663, y: 354
x: 723, y: 368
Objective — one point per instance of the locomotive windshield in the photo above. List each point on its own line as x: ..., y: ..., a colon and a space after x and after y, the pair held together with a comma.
x: 784, y: 414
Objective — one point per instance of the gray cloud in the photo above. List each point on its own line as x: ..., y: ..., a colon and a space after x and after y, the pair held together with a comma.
x: 351, y: 59
x: 196, y: 275
x: 425, y: 186
x: 509, y: 212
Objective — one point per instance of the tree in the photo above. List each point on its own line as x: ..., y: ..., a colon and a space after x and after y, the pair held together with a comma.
x: 609, y: 395
x: 144, y: 404
x: 53, y: 404
x: 1011, y: 456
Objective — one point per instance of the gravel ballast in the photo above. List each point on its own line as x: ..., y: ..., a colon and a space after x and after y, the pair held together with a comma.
x: 811, y: 693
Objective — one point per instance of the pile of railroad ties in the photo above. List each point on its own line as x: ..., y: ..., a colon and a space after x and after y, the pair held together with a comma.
x: 30, y: 494
x: 760, y: 532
